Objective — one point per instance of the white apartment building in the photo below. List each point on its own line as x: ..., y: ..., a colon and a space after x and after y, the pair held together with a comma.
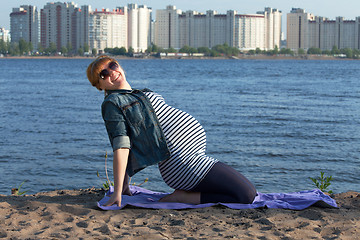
x: 139, y: 27
x: 174, y: 28
x: 24, y: 24
x: 108, y: 29
x: 273, y: 31
x: 249, y: 31
x: 4, y: 34
x: 305, y: 30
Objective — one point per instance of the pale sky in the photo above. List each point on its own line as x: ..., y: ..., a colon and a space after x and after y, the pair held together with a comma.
x: 349, y: 9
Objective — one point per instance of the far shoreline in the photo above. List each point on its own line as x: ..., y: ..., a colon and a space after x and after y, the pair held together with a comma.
x: 240, y: 57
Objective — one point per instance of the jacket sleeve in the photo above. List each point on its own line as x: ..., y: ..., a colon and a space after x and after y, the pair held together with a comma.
x: 116, y: 126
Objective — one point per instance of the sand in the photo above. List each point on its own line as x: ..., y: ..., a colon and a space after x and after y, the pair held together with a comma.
x: 73, y: 214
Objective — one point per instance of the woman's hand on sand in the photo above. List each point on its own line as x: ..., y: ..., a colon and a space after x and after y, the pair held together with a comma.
x: 114, y: 199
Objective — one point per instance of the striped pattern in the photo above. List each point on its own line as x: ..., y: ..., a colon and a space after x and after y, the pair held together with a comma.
x: 186, y: 139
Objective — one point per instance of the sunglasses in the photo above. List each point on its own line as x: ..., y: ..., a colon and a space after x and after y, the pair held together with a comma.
x: 105, y: 73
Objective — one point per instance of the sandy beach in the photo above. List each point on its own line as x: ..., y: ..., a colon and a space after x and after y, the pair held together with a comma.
x: 73, y: 214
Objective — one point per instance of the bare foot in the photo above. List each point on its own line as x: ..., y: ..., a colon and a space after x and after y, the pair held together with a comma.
x: 182, y: 196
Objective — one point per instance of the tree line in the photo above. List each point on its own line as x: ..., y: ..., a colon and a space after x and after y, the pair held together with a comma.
x: 218, y: 50
x: 22, y: 48
x: 344, y: 52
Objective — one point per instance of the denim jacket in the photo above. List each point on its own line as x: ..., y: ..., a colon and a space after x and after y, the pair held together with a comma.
x: 131, y: 122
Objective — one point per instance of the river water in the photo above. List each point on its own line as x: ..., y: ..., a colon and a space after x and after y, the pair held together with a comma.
x: 278, y: 122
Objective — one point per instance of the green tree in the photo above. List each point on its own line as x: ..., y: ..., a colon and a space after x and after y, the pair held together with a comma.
x: 171, y: 50
x: 234, y: 51
x: 69, y: 47
x: 14, y: 49
x: 335, y: 50
x: 225, y: 49
x: 8, y: 46
x: 356, y: 53
x: 122, y: 51
x: 347, y: 51
x: 52, y: 49
x: 214, y: 53
x: 149, y: 49
x: 23, y: 46
x: 287, y: 51
x: 94, y: 51
x: 64, y: 50
x: 40, y: 48
x: 258, y: 51
x: 184, y: 49
x: 155, y: 48
x: 326, y: 52
x: 86, y: 47
x: 130, y: 51
x: 220, y: 49
x: 80, y: 51
x: 251, y: 52
x: 204, y: 50
x: 107, y: 50
x: 301, y: 51
x: 276, y: 50
x: 30, y: 47
x: 314, y: 50
x: 3, y: 47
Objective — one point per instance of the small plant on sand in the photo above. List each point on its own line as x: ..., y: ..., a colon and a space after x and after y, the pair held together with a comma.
x: 107, y: 183
x: 322, y: 182
x: 17, y: 190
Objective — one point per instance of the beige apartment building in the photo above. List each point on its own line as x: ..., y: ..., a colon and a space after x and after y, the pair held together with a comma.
x: 304, y: 30
x: 108, y: 29
x: 174, y: 28
x: 122, y: 27
x: 24, y: 24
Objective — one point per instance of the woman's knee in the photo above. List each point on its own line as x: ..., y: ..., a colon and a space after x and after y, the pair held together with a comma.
x: 247, y: 195
x: 244, y: 197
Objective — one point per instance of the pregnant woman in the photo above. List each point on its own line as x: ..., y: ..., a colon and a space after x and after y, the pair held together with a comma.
x: 144, y: 130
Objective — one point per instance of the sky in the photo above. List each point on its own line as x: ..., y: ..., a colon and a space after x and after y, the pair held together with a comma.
x: 349, y: 9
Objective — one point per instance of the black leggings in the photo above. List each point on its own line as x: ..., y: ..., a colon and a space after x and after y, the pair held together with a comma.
x: 225, y: 184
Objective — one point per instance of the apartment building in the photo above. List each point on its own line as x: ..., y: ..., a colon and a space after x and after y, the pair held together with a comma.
x: 24, y: 24
x: 304, y: 30
x: 80, y: 27
x: 122, y: 27
x: 108, y: 29
x: 4, y: 34
x: 56, y: 24
x: 167, y: 27
x: 174, y: 28
x: 139, y: 27
x: 272, y: 21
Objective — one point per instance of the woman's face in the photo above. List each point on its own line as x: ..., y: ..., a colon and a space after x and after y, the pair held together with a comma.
x: 111, y: 77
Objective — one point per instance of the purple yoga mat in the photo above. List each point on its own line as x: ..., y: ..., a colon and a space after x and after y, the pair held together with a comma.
x: 144, y: 198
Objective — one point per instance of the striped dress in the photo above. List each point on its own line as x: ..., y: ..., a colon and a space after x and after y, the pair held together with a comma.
x: 186, y: 140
